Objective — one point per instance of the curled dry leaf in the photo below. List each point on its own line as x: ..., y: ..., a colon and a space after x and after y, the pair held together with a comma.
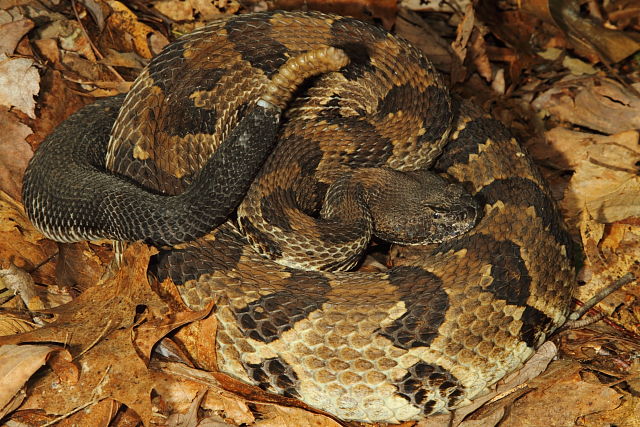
x: 12, y: 33
x: 21, y: 283
x: 409, y: 25
x: 594, y: 102
x: 18, y: 363
x: 584, y: 33
x: 125, y: 26
x: 19, y: 83
x: 182, y: 383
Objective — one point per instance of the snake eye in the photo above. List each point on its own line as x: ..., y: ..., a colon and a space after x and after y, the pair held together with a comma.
x: 436, y: 215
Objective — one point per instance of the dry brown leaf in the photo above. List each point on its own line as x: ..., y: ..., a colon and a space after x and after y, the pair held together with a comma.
x: 110, y: 369
x: 177, y: 10
x: 210, y: 10
x: 588, y: 35
x: 97, y: 9
x: 10, y: 325
x: 123, y: 59
x: 15, y: 152
x: 22, y: 244
x: 479, y: 58
x: 565, y: 149
x: 560, y: 397
x: 594, y: 102
x: 98, y: 414
x: 18, y: 363
x: 435, y: 5
x: 277, y: 416
x: 126, y: 27
x: 12, y: 32
x: 101, y: 309
x: 610, y: 252
x: 606, y: 181
x: 81, y: 265
x: 410, y: 26
x: 48, y: 48
x: 198, y: 339
x: 460, y: 45
x: 19, y: 83
x: 382, y: 10
x: 148, y: 334
x: 626, y: 415
x: 181, y: 384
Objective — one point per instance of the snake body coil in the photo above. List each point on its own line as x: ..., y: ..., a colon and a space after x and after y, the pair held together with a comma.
x: 439, y: 328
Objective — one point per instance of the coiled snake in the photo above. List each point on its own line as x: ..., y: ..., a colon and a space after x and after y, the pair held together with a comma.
x: 441, y: 326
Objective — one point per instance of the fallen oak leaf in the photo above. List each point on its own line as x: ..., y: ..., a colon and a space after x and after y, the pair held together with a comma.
x: 101, y: 309
x: 112, y: 369
x: 19, y: 83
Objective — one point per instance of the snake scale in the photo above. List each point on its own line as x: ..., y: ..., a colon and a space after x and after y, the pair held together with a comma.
x: 351, y: 106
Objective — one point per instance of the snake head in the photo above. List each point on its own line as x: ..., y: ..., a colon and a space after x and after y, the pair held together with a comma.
x: 421, y: 207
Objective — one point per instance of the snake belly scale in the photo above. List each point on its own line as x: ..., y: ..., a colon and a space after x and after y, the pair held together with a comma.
x: 437, y: 329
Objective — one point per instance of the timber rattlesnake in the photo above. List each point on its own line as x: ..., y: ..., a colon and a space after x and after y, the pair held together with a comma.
x: 437, y: 329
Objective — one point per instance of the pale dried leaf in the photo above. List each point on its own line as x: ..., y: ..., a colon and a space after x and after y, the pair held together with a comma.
x: 95, y: 8
x: 21, y: 283
x: 435, y: 5
x: 17, y: 364
x: 190, y: 418
x: 19, y: 83
x: 123, y: 59
x: 566, y: 149
x: 178, y: 10
x: 186, y: 382
x: 12, y: 33
x: 463, y: 34
x: 10, y: 325
x: 596, y: 103
x: 15, y: 152
x: 625, y: 415
x: 606, y: 180
x: 13, y: 404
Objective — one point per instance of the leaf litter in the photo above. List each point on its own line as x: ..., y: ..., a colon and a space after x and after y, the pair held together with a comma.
x: 85, y: 343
